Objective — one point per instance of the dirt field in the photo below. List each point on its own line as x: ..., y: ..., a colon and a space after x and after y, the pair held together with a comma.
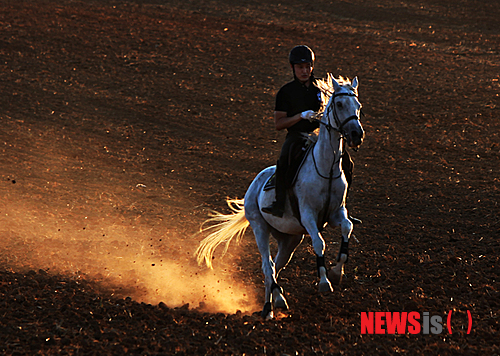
x: 123, y: 123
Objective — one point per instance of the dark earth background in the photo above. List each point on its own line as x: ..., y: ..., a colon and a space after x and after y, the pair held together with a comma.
x: 123, y: 123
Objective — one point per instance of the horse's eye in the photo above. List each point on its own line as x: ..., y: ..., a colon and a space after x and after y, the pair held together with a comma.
x: 339, y: 105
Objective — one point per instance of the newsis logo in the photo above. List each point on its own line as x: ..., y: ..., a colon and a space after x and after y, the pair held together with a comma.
x: 406, y: 322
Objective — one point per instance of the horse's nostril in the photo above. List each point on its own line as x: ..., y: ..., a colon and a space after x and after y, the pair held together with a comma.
x: 356, y: 137
x: 355, y: 134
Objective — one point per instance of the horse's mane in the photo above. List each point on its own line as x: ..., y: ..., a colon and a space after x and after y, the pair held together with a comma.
x: 327, y: 90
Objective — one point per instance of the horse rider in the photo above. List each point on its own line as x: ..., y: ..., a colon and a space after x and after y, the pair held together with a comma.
x: 296, y: 105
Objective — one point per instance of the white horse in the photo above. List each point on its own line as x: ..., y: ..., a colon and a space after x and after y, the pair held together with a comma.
x: 317, y: 198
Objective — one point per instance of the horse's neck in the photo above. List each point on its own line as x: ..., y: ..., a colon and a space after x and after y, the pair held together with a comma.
x: 327, y: 151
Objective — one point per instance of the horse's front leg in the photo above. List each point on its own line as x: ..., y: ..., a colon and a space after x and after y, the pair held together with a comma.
x: 337, y: 271
x: 319, y: 249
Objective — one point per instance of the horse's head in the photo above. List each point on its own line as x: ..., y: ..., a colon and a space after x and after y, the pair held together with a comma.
x: 343, y: 110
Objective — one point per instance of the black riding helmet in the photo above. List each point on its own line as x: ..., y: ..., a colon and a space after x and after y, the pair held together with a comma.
x: 301, y: 54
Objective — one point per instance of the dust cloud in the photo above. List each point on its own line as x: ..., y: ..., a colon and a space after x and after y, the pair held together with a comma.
x: 132, y: 260
x: 86, y: 214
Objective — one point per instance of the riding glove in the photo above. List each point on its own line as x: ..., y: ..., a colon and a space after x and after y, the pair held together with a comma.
x: 308, y: 115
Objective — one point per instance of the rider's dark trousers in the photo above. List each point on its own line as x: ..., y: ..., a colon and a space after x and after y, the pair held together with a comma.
x: 283, y: 164
x: 295, y: 141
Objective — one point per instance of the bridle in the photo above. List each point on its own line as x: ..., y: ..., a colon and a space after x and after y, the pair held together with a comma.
x: 339, y: 125
x: 339, y: 128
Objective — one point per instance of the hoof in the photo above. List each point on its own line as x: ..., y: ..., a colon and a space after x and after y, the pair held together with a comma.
x: 281, y: 304
x: 325, y: 287
x: 335, y: 277
x: 267, y: 312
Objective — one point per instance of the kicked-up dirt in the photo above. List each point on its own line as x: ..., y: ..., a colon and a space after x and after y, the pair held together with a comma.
x: 124, y: 123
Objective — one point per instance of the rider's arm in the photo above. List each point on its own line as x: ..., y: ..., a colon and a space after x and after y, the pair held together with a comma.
x: 282, y: 121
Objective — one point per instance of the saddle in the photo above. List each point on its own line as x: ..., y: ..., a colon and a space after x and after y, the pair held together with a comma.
x: 296, y: 157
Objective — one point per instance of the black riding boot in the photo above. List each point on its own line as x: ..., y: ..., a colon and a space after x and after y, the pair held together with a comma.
x: 277, y: 208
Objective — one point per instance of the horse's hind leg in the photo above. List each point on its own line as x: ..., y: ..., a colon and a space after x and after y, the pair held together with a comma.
x: 286, y: 246
x: 262, y: 234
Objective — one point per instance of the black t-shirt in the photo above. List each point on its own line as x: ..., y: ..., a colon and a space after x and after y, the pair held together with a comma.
x: 294, y: 98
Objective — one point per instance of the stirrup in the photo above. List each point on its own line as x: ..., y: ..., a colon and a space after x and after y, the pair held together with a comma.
x: 274, y: 210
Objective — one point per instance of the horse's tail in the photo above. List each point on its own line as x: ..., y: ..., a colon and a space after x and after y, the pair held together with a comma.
x: 226, y: 228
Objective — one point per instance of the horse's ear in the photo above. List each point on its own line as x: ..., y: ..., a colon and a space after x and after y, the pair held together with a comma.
x: 336, y: 86
x: 355, y: 83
